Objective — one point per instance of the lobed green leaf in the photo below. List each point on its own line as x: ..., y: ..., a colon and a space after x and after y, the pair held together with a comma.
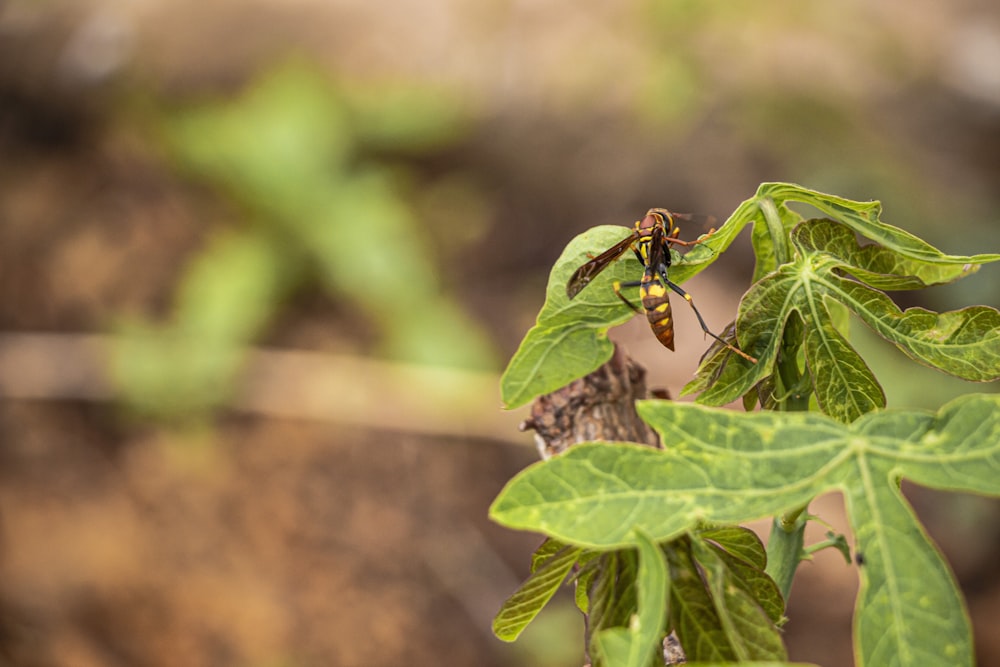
x: 725, y: 467
x: 877, y: 265
x: 594, y: 494
x: 863, y: 218
x: 964, y: 343
x: 909, y: 610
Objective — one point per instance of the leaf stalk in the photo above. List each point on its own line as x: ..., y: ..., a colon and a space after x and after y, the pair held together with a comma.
x: 784, y: 548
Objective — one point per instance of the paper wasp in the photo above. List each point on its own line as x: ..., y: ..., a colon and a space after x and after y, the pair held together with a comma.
x: 650, y: 241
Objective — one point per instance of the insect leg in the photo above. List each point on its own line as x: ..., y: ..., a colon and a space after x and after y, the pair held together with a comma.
x: 704, y: 327
x: 632, y: 283
x: 672, y: 237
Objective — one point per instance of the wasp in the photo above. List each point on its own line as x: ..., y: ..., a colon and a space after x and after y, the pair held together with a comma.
x: 650, y: 240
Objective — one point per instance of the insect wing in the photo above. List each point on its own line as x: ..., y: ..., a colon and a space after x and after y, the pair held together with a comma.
x: 695, y: 219
x: 705, y: 222
x: 583, y: 275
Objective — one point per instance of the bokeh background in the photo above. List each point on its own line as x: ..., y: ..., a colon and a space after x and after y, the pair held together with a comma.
x: 262, y: 262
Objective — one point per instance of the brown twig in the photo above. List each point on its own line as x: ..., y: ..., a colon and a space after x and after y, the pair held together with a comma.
x: 598, y: 406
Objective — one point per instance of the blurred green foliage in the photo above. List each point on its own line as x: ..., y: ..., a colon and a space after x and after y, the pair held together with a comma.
x: 310, y: 164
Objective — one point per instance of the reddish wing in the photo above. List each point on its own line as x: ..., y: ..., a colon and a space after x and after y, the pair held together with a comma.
x: 582, y: 276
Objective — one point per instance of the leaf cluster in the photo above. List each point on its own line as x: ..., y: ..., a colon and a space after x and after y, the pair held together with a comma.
x: 709, y: 585
x: 631, y: 520
x: 809, y: 273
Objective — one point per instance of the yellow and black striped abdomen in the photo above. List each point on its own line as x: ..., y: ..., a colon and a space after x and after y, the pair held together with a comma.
x: 656, y: 303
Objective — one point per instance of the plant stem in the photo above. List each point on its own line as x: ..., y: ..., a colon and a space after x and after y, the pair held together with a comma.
x: 776, y: 230
x: 784, y: 548
x: 791, y: 382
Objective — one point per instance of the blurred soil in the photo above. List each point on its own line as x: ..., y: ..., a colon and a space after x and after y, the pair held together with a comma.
x: 265, y: 541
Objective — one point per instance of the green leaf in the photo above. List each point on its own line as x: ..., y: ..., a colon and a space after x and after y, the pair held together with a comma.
x: 749, y: 628
x: 863, y: 218
x: 726, y: 467
x: 639, y: 644
x: 769, y: 238
x: 521, y: 607
x: 588, y: 568
x: 545, y: 552
x: 744, y: 554
x: 909, y: 611
x: 755, y: 600
x: 693, y: 613
x: 845, y: 386
x: 569, y: 338
x: 876, y: 265
x: 581, y: 589
x: 611, y: 590
x: 741, y: 542
x: 593, y: 495
x: 965, y: 343
x: 754, y: 582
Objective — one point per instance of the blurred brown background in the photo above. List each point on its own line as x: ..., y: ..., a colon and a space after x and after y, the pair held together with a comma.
x: 261, y: 264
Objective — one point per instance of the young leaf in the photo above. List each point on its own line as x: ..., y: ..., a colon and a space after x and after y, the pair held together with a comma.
x: 863, y: 218
x: 753, y: 581
x: 876, y: 265
x: 589, y: 566
x: 638, y: 645
x: 521, y: 607
x: 611, y: 591
x: 744, y: 555
x: 751, y: 631
x: 545, y: 552
x: 965, y: 343
x: 741, y: 542
x: 693, y: 612
x: 726, y: 467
